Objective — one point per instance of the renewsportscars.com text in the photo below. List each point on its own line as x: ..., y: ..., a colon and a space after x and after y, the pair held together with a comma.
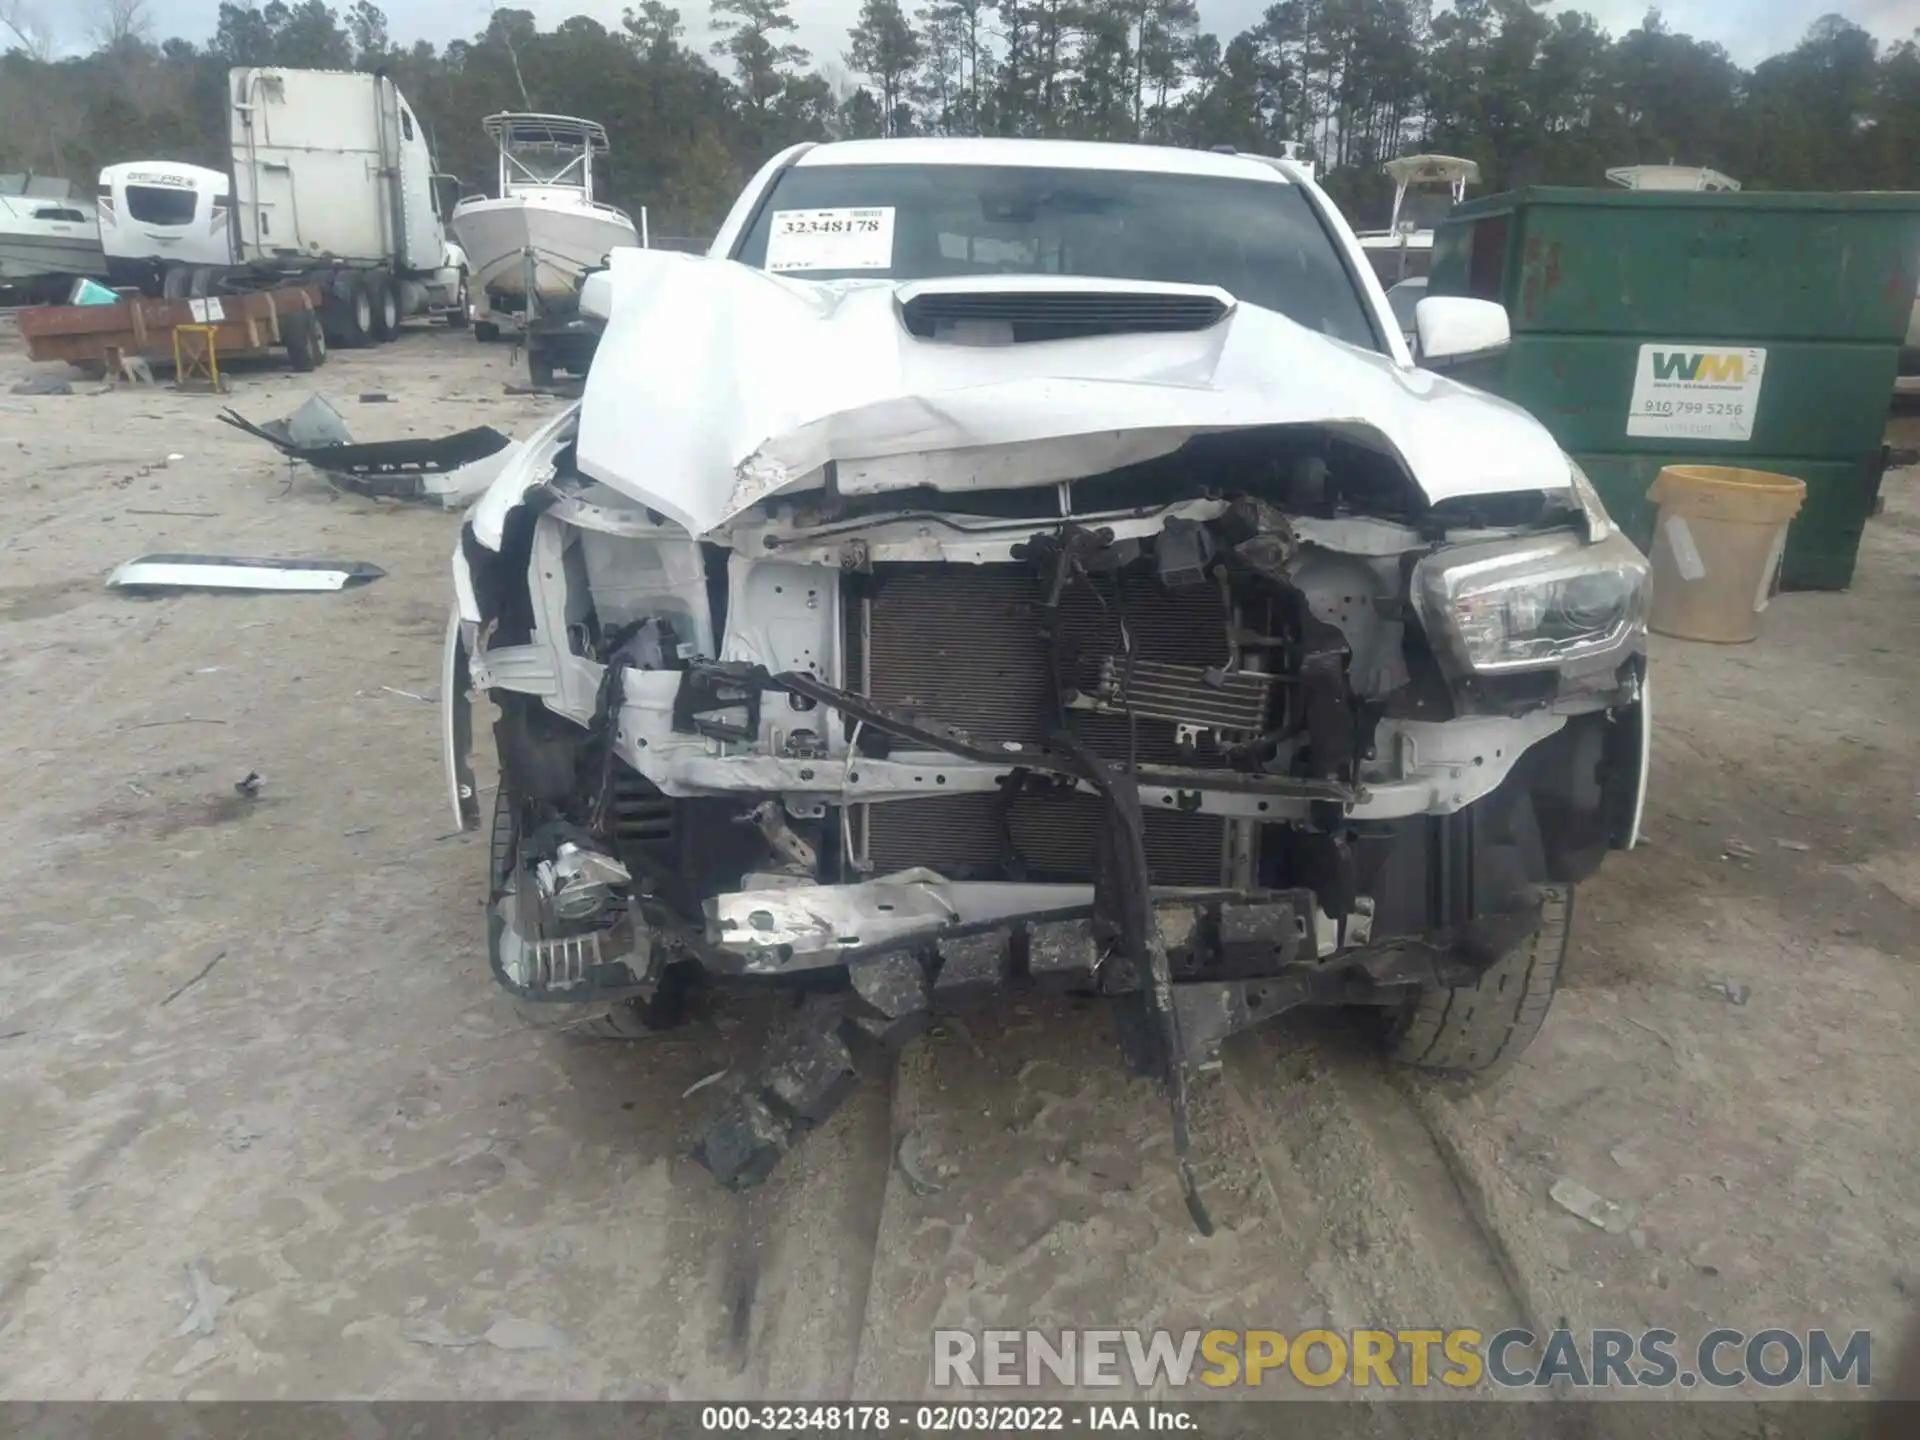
x: 1416, y: 1358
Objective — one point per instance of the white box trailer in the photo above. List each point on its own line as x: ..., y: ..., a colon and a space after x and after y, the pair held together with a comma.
x: 332, y: 172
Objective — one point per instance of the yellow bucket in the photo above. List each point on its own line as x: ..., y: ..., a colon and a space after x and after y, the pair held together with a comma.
x: 1716, y: 548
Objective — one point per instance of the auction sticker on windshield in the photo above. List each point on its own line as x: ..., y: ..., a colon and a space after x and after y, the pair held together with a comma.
x: 844, y: 239
x: 1687, y: 392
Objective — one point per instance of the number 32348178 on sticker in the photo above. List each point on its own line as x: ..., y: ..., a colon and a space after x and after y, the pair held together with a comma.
x: 838, y: 239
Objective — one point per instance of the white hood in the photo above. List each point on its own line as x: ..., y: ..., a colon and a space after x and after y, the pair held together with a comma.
x: 716, y: 386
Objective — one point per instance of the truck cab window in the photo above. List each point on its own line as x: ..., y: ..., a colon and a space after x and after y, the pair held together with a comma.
x: 406, y: 124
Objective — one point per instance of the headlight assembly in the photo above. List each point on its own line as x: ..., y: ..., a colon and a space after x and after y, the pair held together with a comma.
x: 1533, y: 603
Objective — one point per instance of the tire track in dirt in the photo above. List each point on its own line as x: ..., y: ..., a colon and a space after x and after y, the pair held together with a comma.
x: 1043, y: 1196
x: 1399, y: 1243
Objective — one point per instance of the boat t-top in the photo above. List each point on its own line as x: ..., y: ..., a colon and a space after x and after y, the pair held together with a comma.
x: 1425, y: 189
x: 545, y: 230
x: 1670, y: 177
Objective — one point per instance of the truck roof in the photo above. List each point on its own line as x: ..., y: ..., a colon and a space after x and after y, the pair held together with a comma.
x: 1061, y: 154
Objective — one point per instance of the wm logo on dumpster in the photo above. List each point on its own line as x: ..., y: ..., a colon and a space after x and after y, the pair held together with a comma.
x: 1723, y: 367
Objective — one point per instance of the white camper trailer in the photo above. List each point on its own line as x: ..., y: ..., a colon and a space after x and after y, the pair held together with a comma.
x: 164, y: 226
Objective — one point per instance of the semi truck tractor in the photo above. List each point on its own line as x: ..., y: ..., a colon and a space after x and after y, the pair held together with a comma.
x: 334, y: 183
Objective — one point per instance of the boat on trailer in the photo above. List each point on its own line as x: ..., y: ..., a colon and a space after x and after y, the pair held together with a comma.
x: 49, y: 237
x: 1425, y: 189
x: 530, y: 247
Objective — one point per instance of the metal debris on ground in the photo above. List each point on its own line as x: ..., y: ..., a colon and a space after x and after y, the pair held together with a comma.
x: 43, y: 385
x: 450, y: 471
x: 376, y: 397
x: 1799, y: 845
x: 204, y: 971
x: 410, y: 695
x: 240, y: 572
x: 509, y: 1333
x: 705, y: 1080
x: 206, y: 1301
x: 913, y: 1156
x: 563, y: 389
x: 1728, y: 991
x: 436, y: 1334
x: 1591, y: 1206
x: 248, y: 784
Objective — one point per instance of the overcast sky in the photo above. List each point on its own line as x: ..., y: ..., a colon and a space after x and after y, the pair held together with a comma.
x: 1750, y: 29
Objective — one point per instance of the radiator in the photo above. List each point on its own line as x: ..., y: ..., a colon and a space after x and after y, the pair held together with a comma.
x: 960, y: 645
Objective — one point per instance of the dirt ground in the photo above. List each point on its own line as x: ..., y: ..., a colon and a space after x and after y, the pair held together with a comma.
x: 267, y: 1129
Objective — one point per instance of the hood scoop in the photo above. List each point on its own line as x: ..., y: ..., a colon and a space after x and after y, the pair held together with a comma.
x: 1017, y: 317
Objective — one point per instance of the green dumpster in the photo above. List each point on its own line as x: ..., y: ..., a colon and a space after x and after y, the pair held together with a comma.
x: 1653, y: 328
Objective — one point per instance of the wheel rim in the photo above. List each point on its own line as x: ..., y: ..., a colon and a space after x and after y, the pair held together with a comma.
x: 362, y: 312
x: 390, y: 311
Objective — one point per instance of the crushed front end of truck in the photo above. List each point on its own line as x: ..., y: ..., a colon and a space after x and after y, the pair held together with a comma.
x: 1141, y: 662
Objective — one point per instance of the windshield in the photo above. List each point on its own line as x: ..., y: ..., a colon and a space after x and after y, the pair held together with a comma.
x: 1425, y: 209
x: 1260, y: 241
x: 161, y: 205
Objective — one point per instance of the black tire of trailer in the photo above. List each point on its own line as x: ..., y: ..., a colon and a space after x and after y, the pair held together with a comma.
x: 306, y: 340
x: 1479, y: 1030
x: 486, y: 332
x: 383, y: 296
x: 461, y: 315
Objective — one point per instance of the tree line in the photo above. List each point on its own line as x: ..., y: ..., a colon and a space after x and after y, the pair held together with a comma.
x: 1532, y: 97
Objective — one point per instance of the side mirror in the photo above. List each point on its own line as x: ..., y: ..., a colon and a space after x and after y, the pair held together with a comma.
x: 1452, y: 329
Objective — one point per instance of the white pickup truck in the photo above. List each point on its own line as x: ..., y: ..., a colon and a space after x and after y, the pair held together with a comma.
x: 1010, y: 564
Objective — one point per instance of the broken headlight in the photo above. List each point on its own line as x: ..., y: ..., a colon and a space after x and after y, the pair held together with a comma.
x: 1532, y: 603
x: 1593, y: 511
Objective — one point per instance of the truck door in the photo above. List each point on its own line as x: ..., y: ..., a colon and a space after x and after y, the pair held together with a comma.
x: 267, y: 218
x: 424, y: 241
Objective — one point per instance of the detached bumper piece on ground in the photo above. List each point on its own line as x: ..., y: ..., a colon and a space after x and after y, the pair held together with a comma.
x: 449, y: 471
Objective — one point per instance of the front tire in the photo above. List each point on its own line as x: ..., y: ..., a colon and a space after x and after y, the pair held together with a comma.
x: 384, y: 303
x: 1479, y: 1030
x: 461, y: 315
x: 540, y: 367
x: 486, y: 332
